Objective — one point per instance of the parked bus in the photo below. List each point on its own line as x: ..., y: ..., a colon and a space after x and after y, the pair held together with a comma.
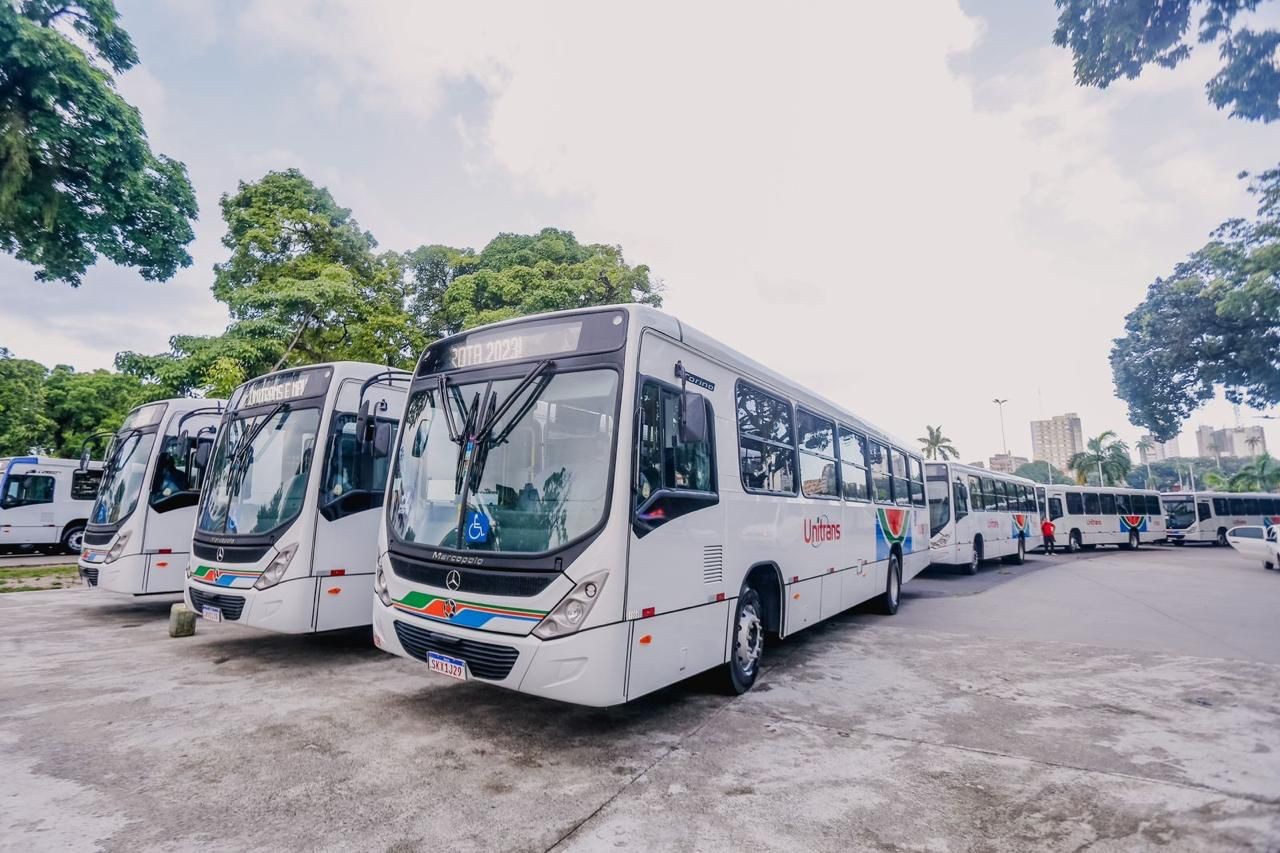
x: 564, y: 518
x: 1207, y: 516
x: 283, y: 541
x: 1089, y: 516
x: 138, y: 538
x: 44, y: 502
x: 976, y: 515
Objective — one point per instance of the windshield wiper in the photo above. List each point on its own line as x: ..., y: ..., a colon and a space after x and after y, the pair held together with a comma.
x: 240, y: 456
x: 117, y: 447
x: 477, y: 444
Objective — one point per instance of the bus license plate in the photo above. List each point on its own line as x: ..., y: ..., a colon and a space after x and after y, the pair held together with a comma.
x: 446, y: 665
x: 213, y: 614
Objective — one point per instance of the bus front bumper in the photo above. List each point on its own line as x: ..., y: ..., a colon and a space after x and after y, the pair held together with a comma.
x: 587, y: 668
x: 285, y: 608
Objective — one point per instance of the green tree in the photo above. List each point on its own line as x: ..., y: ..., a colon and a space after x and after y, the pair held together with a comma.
x: 1104, y: 454
x: 1214, y: 322
x: 1043, y: 472
x: 936, y: 445
x: 518, y: 274
x: 81, y: 404
x: 1110, y: 39
x: 24, y: 426
x: 1262, y: 474
x: 1144, y: 447
x: 78, y: 179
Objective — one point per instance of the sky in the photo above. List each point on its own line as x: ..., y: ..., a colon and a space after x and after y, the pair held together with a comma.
x: 910, y: 208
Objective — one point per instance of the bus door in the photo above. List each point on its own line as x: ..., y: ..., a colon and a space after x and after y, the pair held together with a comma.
x: 27, y: 511
x: 169, y: 500
x: 352, y: 484
x: 677, y: 522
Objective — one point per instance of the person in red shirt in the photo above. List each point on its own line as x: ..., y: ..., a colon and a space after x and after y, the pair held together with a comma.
x: 1047, y: 530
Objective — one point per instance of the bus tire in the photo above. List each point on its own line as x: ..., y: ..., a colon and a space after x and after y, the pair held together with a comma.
x: 1135, y: 541
x: 1221, y: 541
x: 1074, y: 545
x: 73, y: 538
x: 748, y: 643
x: 887, y: 603
x: 1020, y: 557
x: 975, y: 560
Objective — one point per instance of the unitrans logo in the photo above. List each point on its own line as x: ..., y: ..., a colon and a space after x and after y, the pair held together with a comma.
x: 819, y: 530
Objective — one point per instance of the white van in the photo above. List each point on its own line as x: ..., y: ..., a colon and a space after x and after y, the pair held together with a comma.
x: 45, y: 502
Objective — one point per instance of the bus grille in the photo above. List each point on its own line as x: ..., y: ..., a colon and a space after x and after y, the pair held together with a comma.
x: 230, y: 605
x: 483, y: 581
x: 484, y: 660
x: 712, y: 563
x: 90, y: 576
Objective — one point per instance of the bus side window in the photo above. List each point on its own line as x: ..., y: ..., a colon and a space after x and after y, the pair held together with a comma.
x: 1220, y: 506
x: 880, y: 478
x: 663, y: 460
x: 766, y: 442
x: 1202, y: 509
x: 1092, y: 506
x: 84, y: 485
x: 917, y: 481
x: 1055, y: 507
x: 854, y: 475
x: 817, y: 439
x: 28, y: 489
x: 975, y: 490
x: 961, y: 500
x: 1075, y: 504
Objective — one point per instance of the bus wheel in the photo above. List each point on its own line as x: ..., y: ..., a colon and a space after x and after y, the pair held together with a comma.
x: 73, y: 538
x: 748, y: 642
x: 1135, y: 541
x: 1021, y: 557
x: 1222, y: 537
x: 975, y: 559
x: 1073, y: 542
x: 888, y: 601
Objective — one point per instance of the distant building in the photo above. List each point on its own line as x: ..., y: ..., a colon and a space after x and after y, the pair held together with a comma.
x: 1007, y: 463
x: 1160, y: 450
x: 977, y: 465
x: 1238, y: 442
x: 1057, y: 439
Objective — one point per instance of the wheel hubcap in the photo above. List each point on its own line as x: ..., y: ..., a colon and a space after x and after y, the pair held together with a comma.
x: 75, y: 541
x: 750, y: 640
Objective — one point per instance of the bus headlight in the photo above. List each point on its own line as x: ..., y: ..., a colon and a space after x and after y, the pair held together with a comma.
x: 276, y: 568
x: 117, y: 548
x: 569, y: 614
x: 380, y: 583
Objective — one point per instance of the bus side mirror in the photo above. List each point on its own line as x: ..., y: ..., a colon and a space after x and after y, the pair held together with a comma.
x: 204, y: 447
x: 381, y: 441
x: 84, y: 461
x: 693, y: 425
x: 362, y: 424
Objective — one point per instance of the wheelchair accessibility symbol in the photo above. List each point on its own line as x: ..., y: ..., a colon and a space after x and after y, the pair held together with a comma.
x: 477, y: 530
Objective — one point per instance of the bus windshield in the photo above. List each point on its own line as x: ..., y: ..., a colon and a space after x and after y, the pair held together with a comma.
x: 939, y: 492
x: 258, y: 474
x: 122, y: 479
x: 537, y: 481
x: 1181, y: 512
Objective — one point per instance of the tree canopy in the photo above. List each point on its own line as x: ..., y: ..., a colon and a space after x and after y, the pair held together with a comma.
x: 1043, y: 472
x: 1215, y: 321
x: 1110, y: 39
x: 305, y: 283
x: 78, y: 179
x: 1104, y: 455
x: 935, y: 445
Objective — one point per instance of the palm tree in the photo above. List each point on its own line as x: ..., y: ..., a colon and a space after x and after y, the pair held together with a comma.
x: 1145, y: 446
x: 1261, y: 475
x: 1104, y: 454
x: 1253, y: 441
x: 938, y: 446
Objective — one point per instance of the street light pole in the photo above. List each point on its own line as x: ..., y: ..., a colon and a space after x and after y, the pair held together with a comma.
x: 1003, y: 440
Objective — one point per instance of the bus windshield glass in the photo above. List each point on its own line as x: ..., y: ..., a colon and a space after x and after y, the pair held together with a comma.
x: 939, y: 492
x: 1181, y: 512
x: 258, y: 474
x: 122, y: 479
x: 535, y: 481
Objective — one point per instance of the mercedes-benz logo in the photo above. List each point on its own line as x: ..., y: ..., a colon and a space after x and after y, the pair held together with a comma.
x: 220, y: 555
x: 453, y: 580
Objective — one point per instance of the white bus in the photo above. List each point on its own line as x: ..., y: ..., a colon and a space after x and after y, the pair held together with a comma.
x: 976, y: 515
x: 138, y: 539
x: 589, y: 505
x: 45, y: 502
x: 1207, y: 516
x: 1089, y: 516
x: 284, y: 540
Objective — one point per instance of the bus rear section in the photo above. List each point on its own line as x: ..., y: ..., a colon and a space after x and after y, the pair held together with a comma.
x: 977, y: 515
x: 592, y: 505
x: 138, y: 539
x: 1207, y: 516
x: 45, y: 502
x: 1089, y: 516
x: 285, y: 532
